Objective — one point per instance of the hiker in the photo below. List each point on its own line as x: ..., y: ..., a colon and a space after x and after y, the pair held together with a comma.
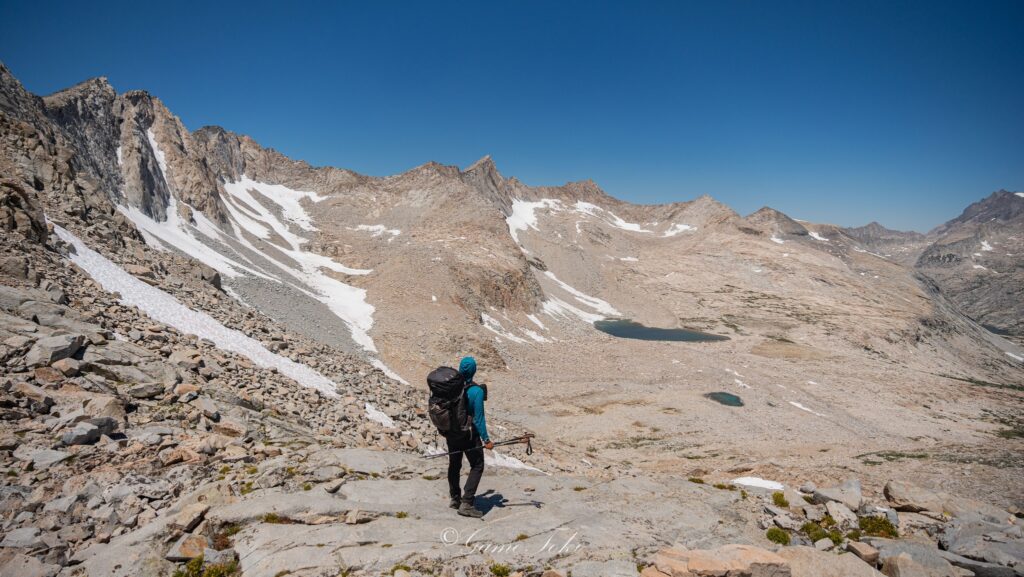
x: 457, y: 409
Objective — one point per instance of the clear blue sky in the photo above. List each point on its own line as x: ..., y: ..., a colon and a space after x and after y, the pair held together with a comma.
x: 841, y: 112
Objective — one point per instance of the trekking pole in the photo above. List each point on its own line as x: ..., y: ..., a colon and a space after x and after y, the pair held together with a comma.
x: 521, y: 440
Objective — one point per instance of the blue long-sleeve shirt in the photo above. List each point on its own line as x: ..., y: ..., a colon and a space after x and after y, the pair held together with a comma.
x: 475, y: 395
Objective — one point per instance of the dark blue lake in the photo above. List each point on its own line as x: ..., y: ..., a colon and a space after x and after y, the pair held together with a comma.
x: 628, y: 329
x: 727, y: 399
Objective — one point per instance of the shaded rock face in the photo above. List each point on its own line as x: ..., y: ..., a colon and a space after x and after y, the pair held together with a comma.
x: 89, y: 115
x: 977, y: 260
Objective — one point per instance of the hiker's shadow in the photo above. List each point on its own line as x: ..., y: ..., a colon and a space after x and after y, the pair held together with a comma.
x: 490, y: 500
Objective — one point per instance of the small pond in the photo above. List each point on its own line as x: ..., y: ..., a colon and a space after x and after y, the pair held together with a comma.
x: 727, y: 399
x: 627, y: 329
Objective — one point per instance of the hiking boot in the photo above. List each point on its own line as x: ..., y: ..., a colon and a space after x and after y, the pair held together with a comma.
x: 455, y: 502
x: 468, y: 510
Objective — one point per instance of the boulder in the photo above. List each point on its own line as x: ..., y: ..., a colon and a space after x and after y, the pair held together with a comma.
x: 83, y: 433
x: 738, y: 560
x: 208, y: 274
x: 106, y: 406
x: 186, y: 359
x: 146, y: 390
x: 979, y: 568
x: 68, y: 367
x: 984, y: 541
x: 230, y: 428
x: 89, y: 431
x: 190, y: 516
x: 23, y: 538
x: 188, y: 547
x: 40, y: 458
x: 140, y: 271
x: 48, y: 350
x: 910, y: 558
x: 842, y: 515
x: 41, y: 401
x: 866, y: 552
x: 848, y: 493
x: 905, y: 496
x: 808, y: 562
x: 14, y: 266
x: 21, y: 565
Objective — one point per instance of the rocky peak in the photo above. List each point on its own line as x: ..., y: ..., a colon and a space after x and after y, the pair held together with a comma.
x: 769, y: 220
x: 15, y: 101
x: 93, y: 88
x: 874, y: 231
x: 88, y: 114
x: 1000, y: 206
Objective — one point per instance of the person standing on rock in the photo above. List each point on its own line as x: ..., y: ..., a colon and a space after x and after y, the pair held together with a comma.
x: 470, y: 445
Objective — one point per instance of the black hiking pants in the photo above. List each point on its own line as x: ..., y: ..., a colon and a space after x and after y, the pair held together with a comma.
x: 473, y: 449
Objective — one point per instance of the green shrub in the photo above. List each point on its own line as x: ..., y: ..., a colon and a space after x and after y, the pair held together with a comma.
x: 194, y: 568
x: 776, y: 535
x: 813, y: 531
x: 827, y: 521
x: 853, y: 535
x: 398, y: 567
x: 500, y: 570
x: 697, y: 480
x: 808, y: 499
x: 779, y: 498
x: 878, y: 527
x: 401, y: 515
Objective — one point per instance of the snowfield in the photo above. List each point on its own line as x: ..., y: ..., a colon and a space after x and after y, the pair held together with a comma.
x: 253, y: 209
x: 164, y: 308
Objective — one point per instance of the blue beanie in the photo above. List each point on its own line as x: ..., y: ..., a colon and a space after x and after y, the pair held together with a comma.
x: 468, y: 368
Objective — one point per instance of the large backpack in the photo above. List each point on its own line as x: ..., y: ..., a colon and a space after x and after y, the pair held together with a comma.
x: 448, y: 403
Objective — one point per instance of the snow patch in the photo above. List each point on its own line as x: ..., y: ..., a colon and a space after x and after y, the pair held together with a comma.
x: 629, y: 259
x: 378, y: 229
x: 608, y: 217
x: 347, y: 302
x: 803, y: 408
x: 556, y: 307
x: 1017, y: 358
x: 985, y: 245
x: 534, y: 336
x: 1020, y: 194
x: 758, y: 482
x: 377, y: 416
x: 524, y: 215
x: 537, y: 322
x: 497, y: 459
x: 592, y: 302
x: 817, y: 236
x: 490, y: 323
x: 978, y: 266
x: 164, y: 308
x: 161, y: 160
x: 777, y: 240
x: 677, y: 228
